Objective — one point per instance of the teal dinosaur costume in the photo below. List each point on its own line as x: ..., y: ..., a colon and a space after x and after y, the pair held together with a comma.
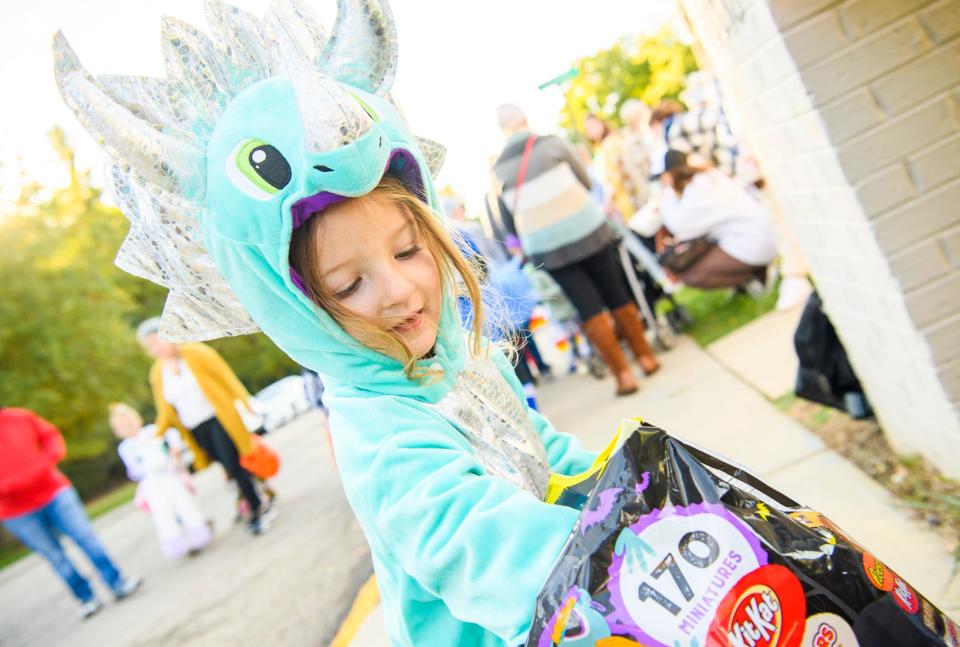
x: 215, y: 165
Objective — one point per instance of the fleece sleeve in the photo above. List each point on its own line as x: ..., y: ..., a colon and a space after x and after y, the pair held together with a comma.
x: 566, y: 153
x: 564, y: 451
x: 49, y: 439
x: 481, y: 544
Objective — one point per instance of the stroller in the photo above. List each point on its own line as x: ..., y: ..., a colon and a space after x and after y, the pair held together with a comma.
x: 650, y: 285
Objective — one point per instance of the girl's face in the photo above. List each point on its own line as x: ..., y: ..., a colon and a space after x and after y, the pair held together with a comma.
x: 376, y: 264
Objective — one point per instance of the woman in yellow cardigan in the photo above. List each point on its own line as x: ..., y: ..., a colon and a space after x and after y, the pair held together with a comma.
x: 196, y: 391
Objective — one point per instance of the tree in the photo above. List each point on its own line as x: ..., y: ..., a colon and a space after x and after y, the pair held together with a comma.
x: 647, y: 68
x: 68, y: 315
x: 66, y: 350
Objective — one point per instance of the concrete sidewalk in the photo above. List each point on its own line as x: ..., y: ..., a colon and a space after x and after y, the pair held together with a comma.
x: 290, y: 586
x: 715, y: 399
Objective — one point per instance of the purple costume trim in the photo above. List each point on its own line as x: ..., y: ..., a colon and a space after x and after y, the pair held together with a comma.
x: 306, y: 207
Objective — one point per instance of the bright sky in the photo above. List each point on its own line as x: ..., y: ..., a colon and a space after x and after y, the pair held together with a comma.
x: 458, y: 61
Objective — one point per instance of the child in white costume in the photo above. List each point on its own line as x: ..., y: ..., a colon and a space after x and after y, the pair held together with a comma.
x: 152, y: 461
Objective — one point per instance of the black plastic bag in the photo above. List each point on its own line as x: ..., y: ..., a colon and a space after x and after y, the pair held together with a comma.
x: 825, y: 374
x: 677, y: 547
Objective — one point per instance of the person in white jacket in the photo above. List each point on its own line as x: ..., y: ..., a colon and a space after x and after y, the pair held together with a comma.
x: 153, y: 461
x: 701, y: 202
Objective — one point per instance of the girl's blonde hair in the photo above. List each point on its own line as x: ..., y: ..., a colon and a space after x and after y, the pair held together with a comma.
x: 457, y: 274
x: 119, y: 409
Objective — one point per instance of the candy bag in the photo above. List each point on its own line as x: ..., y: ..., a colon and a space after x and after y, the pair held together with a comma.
x: 676, y: 547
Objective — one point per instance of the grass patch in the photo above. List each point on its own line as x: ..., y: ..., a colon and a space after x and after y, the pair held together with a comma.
x: 99, y: 506
x: 784, y: 402
x: 12, y: 554
x: 112, y: 499
x: 717, y: 313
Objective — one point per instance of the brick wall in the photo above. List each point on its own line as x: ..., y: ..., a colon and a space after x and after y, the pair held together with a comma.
x: 853, y: 109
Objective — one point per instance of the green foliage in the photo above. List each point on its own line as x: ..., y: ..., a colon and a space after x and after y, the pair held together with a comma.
x: 647, y: 68
x: 65, y: 346
x: 719, y: 312
x: 68, y: 318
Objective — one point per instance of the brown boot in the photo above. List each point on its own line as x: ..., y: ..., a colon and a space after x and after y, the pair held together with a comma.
x: 631, y: 325
x: 599, y: 329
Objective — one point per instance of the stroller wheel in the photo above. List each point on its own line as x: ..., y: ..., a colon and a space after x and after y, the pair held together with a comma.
x: 596, y: 367
x: 665, y: 338
x: 679, y: 318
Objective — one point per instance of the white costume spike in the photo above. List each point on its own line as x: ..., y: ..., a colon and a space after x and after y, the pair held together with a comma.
x: 434, y: 153
x: 320, y: 98
x: 166, y: 164
x: 296, y: 30
x: 241, y: 43
x: 363, y: 48
x: 156, y: 130
x: 192, y: 59
x: 165, y: 246
x: 160, y: 104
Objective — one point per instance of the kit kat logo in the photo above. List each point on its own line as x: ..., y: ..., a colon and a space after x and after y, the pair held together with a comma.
x: 765, y: 609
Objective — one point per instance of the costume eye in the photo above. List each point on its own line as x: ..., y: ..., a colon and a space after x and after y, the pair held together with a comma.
x: 366, y: 107
x: 258, y: 169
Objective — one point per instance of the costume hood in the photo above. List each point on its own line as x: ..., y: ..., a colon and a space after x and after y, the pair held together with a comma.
x: 249, y: 133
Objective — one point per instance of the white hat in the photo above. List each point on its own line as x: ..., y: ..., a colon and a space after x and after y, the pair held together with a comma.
x: 509, y: 115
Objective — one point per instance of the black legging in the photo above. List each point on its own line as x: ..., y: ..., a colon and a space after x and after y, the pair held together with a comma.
x: 595, y: 283
x: 214, y: 440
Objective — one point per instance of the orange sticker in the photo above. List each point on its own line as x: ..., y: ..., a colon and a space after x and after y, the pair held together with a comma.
x: 617, y: 641
x: 809, y: 518
x: 878, y: 574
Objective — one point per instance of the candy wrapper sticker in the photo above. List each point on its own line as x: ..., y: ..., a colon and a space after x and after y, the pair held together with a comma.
x: 676, y: 547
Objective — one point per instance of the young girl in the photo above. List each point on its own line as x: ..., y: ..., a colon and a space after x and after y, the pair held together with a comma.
x: 319, y: 223
x: 154, y: 462
x: 440, y: 456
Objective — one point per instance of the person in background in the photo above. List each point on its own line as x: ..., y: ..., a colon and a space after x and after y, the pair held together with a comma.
x: 661, y: 120
x: 507, y: 291
x: 563, y: 315
x: 313, y: 388
x: 490, y: 250
x: 597, y: 191
x: 38, y: 504
x: 635, y: 156
x: 605, y: 144
x: 703, y: 129
x: 622, y: 157
x: 163, y: 483
x: 198, y: 393
x: 703, y: 203
x: 545, y: 201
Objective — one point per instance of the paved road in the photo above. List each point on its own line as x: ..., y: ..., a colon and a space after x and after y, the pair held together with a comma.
x: 291, y: 586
